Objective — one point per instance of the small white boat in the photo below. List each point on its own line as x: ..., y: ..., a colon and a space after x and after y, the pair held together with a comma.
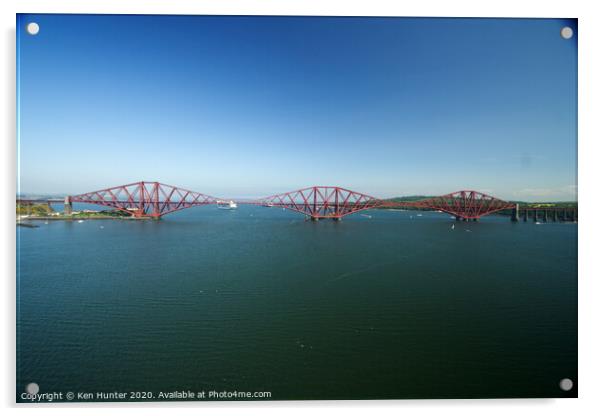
x: 80, y: 221
x: 453, y: 226
x: 226, y: 205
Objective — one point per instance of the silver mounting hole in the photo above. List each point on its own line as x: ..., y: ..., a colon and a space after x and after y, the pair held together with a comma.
x: 33, y: 28
x: 566, y: 384
x: 32, y: 388
x: 566, y: 32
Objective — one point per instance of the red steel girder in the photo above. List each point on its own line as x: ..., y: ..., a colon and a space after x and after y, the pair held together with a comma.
x: 464, y: 204
x: 154, y: 199
x: 145, y: 199
x: 323, y: 201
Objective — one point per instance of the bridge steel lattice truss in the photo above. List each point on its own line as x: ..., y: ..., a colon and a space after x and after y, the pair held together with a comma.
x: 145, y: 199
x: 154, y: 199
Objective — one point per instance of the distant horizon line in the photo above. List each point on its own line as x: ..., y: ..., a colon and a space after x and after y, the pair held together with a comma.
x: 41, y: 196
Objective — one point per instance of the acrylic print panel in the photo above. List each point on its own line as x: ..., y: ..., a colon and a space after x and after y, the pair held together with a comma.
x: 291, y: 208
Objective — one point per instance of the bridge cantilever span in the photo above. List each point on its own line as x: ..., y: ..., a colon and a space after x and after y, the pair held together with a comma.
x: 469, y: 205
x: 323, y: 201
x: 144, y: 199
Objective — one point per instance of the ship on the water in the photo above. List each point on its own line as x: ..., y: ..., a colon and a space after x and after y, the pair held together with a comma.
x: 227, y: 205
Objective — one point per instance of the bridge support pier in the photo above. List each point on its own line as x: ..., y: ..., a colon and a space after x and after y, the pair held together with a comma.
x: 458, y: 218
x: 534, y: 215
x: 68, y: 207
x: 545, y: 215
x: 315, y: 219
x: 555, y: 216
x: 336, y: 219
x: 526, y: 215
x: 515, y: 213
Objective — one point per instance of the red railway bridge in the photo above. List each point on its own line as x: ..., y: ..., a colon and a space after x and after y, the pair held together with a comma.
x: 335, y: 202
x: 155, y: 199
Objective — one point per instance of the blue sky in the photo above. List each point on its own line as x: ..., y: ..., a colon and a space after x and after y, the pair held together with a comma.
x: 251, y: 106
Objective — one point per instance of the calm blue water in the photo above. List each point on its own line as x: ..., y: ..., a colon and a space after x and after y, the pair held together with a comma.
x: 257, y: 299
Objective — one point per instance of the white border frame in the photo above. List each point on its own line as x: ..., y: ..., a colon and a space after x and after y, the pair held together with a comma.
x: 590, y: 273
